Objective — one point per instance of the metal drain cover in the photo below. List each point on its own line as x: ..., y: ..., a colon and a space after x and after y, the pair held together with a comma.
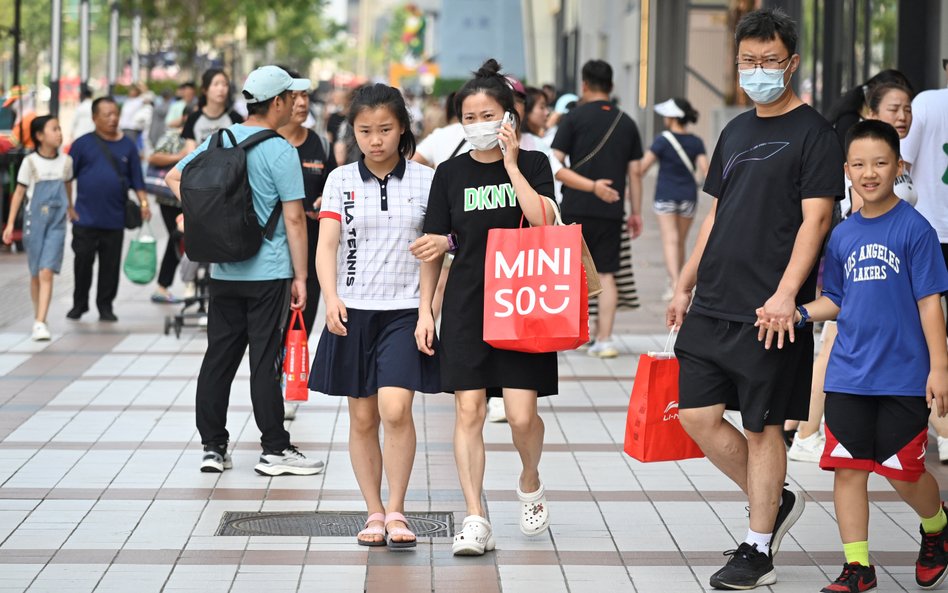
x: 325, y: 524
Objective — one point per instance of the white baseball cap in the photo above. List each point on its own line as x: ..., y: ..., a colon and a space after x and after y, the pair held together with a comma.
x: 267, y: 82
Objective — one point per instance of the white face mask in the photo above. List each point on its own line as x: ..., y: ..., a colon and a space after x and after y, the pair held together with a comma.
x: 483, y: 135
x: 762, y: 85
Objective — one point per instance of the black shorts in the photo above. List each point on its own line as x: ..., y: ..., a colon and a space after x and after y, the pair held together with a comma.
x: 604, y: 238
x: 379, y: 351
x: 885, y: 434
x: 721, y: 362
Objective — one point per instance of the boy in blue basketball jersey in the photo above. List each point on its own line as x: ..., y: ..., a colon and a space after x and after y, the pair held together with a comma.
x: 883, y: 280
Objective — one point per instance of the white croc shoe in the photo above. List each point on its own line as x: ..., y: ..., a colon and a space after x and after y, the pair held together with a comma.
x: 534, y: 512
x: 475, y: 537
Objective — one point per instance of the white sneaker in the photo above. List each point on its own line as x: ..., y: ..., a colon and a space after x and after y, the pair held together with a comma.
x: 603, y: 349
x: 943, y: 450
x: 289, y: 411
x: 809, y: 449
x: 40, y: 332
x: 495, y: 410
x: 289, y: 461
x: 216, y: 459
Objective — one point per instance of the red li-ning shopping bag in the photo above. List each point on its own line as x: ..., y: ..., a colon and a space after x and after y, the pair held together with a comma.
x: 652, y: 429
x: 296, y: 361
x: 535, y: 293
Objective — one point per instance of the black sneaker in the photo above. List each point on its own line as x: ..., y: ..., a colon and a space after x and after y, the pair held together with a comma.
x: 855, y: 578
x: 748, y: 568
x: 76, y: 312
x: 932, y: 560
x: 791, y: 507
x: 107, y: 316
x: 216, y: 459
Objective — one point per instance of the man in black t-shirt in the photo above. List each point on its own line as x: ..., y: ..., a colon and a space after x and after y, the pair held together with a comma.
x: 603, y: 145
x: 775, y: 173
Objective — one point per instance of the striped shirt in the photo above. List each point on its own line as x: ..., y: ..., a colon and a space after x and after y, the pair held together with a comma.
x: 380, y: 219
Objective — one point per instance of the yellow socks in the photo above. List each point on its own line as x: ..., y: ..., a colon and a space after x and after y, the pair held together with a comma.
x: 857, y: 552
x: 935, y: 524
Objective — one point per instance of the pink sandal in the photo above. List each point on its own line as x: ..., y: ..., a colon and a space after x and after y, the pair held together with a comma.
x: 398, y: 532
x: 372, y: 531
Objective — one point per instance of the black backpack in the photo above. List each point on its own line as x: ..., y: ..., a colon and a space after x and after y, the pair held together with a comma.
x: 221, y: 225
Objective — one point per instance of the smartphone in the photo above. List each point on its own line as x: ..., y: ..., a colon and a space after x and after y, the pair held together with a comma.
x: 508, y: 119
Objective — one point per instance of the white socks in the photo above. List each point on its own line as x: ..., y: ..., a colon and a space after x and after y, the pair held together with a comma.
x: 761, y: 539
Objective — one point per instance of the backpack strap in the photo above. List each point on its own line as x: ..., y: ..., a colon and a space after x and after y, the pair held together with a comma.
x: 247, y: 144
x: 270, y: 227
x: 256, y: 138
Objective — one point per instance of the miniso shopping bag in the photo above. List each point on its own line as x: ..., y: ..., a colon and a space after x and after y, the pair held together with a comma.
x: 141, y: 261
x: 535, y: 293
x: 652, y: 429
x: 296, y: 361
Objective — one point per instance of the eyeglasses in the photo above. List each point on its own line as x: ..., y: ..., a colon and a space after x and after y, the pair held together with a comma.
x: 766, y: 64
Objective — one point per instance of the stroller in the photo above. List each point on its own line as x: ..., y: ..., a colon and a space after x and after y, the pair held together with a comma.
x: 193, y: 312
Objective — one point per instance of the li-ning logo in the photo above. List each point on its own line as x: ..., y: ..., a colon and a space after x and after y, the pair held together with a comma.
x: 671, y: 412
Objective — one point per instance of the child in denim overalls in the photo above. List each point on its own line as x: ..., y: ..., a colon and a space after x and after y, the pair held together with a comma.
x: 43, y: 178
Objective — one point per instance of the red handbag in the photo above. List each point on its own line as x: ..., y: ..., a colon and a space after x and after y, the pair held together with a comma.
x: 535, y: 293
x: 296, y: 361
x: 652, y: 429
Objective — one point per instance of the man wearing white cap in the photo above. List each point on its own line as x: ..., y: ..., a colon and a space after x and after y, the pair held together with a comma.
x: 249, y: 299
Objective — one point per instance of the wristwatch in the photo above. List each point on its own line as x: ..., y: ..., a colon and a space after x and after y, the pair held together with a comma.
x: 804, y: 317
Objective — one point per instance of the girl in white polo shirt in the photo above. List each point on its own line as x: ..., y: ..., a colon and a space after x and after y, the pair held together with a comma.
x: 372, y: 210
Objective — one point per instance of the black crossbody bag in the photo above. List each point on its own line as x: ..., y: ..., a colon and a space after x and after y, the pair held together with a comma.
x: 133, y: 212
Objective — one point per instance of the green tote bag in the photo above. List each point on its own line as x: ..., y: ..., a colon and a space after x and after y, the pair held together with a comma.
x: 141, y: 262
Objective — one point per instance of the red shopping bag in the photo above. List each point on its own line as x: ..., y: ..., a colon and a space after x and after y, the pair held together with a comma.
x: 296, y: 361
x: 535, y: 293
x: 652, y: 429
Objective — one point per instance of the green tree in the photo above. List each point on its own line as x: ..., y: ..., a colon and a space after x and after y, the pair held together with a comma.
x: 298, y: 29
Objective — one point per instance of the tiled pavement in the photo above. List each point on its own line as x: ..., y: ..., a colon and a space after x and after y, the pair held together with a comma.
x: 99, y: 488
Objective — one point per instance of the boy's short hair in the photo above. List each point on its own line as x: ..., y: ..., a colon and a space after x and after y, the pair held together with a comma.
x: 767, y: 24
x: 873, y: 129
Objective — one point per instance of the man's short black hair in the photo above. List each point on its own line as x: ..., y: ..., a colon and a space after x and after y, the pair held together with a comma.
x: 188, y: 85
x: 873, y: 129
x: 597, y: 74
x: 768, y: 24
x: 101, y: 100
x: 263, y: 107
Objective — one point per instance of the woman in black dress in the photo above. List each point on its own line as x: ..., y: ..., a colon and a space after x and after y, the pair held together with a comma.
x: 471, y: 194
